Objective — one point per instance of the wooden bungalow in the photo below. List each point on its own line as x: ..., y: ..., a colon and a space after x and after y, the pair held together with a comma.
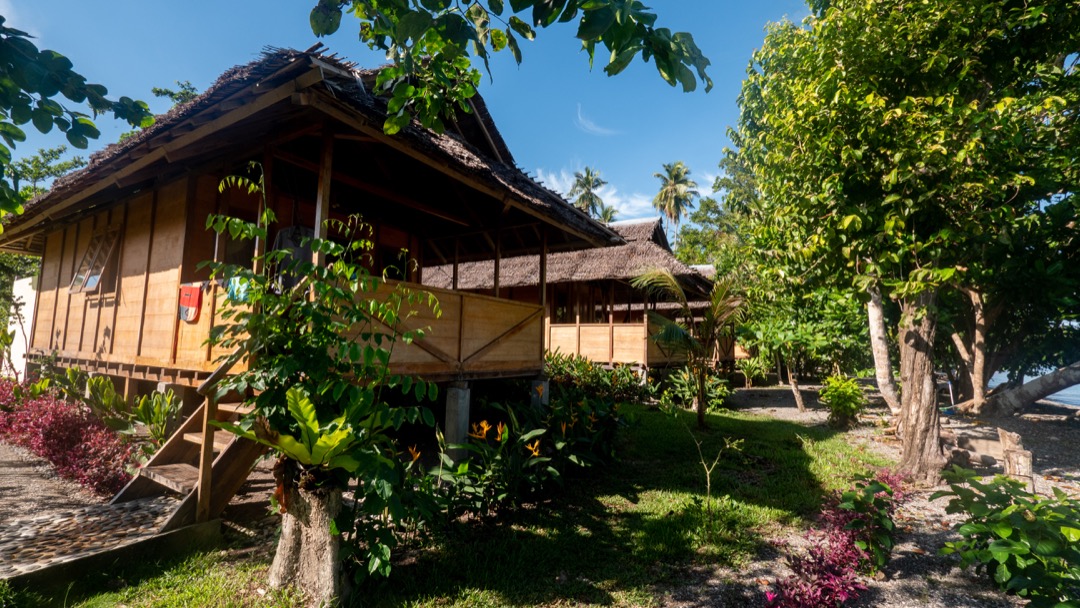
x: 122, y: 239
x: 591, y: 308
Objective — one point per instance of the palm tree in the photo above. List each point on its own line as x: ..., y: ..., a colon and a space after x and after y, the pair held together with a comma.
x: 676, y: 195
x: 586, y: 183
x: 694, y: 332
x: 606, y: 214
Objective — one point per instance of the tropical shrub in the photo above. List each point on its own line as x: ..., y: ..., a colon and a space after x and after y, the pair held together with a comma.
x: 1027, y: 544
x: 754, y: 367
x: 855, y: 535
x: 682, y: 390
x: 158, y: 412
x: 844, y: 398
x: 573, y: 376
x: 76, y: 442
x: 320, y: 364
x: 506, y: 464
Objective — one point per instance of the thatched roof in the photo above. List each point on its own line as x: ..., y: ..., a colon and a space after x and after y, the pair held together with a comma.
x: 646, y: 248
x: 472, y: 148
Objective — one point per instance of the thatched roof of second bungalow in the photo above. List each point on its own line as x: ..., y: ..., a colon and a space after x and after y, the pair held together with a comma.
x: 646, y: 248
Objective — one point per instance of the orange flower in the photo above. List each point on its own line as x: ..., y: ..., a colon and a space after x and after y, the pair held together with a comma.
x: 534, y: 448
x: 415, y: 453
x: 540, y: 391
x: 564, y: 429
x: 593, y: 419
x: 480, y: 430
x: 500, y: 429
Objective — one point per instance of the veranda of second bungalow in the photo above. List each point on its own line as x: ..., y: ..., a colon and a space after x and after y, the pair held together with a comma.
x: 592, y: 309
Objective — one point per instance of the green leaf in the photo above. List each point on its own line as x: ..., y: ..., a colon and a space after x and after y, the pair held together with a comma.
x: 523, y: 29
x: 594, y: 23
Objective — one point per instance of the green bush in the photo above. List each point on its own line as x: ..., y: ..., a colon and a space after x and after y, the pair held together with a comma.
x: 158, y: 412
x: 844, y: 398
x: 681, y: 391
x: 572, y: 377
x: 756, y: 367
x: 1027, y: 544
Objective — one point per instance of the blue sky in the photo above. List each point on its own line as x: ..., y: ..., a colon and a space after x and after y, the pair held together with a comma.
x: 556, y: 115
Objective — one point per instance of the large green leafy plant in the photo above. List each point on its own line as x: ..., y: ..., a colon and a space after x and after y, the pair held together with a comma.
x: 430, y: 42
x: 1027, y: 544
x: 318, y: 373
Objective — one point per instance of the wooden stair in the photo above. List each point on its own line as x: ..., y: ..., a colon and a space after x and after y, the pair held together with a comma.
x: 175, y: 467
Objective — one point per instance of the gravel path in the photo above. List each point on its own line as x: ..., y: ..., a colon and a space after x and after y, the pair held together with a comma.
x: 29, y: 486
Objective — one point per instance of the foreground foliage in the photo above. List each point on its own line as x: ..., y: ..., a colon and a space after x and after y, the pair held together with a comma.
x: 430, y: 42
x: 855, y: 536
x: 79, y: 444
x: 613, y: 535
x: 1028, y: 545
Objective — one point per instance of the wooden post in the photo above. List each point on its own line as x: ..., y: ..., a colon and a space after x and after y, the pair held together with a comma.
x: 545, y: 338
x: 543, y: 270
x: 146, y: 269
x: 611, y: 322
x: 575, y: 293
x: 260, y: 243
x: 206, y: 462
x: 645, y: 321
x: 118, y: 280
x: 498, y: 256
x: 322, y: 202
x: 457, y: 261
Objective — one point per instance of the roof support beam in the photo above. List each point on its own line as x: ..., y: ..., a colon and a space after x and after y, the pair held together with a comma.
x: 322, y: 201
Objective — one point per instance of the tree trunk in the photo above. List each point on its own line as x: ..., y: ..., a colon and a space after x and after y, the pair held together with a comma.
x: 701, y: 405
x: 1016, y: 399
x: 793, y: 381
x: 974, y: 357
x: 308, y: 554
x: 922, y: 456
x: 879, y: 346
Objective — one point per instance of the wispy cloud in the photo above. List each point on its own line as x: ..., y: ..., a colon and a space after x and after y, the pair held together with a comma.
x: 586, y: 125
x: 629, y: 206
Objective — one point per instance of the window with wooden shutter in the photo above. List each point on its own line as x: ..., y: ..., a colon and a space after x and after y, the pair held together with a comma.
x: 88, y: 275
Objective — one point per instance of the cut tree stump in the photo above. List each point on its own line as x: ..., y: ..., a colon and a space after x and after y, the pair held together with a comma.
x: 1018, y: 462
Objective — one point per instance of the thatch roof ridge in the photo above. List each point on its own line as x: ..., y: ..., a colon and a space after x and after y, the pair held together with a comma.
x: 339, y: 76
x: 620, y: 262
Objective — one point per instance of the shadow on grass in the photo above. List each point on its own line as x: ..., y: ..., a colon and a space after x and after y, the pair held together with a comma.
x: 622, y: 534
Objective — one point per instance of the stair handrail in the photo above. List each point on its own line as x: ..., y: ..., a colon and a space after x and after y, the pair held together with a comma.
x: 206, y: 453
x: 221, y: 371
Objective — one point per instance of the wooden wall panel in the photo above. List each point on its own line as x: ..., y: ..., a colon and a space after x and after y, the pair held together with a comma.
x: 133, y: 267
x: 595, y: 342
x: 67, y: 263
x: 98, y: 332
x: 563, y: 339
x: 163, y: 276
x: 47, y: 291
x: 629, y: 343
x: 76, y: 306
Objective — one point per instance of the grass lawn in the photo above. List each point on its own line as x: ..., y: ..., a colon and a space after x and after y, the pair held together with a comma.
x: 611, y: 537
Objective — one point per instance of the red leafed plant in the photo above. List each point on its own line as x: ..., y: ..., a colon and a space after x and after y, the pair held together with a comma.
x: 854, y: 535
x: 78, y: 444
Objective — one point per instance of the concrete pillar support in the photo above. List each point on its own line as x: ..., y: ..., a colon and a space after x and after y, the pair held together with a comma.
x: 457, y: 416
